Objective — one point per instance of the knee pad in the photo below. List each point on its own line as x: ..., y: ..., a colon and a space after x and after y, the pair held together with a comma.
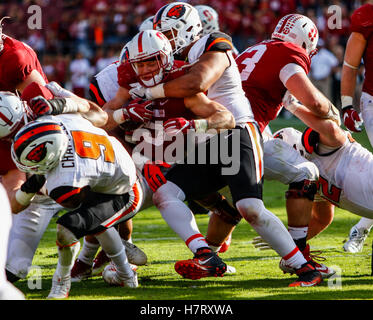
x: 304, y: 189
x: 166, y: 193
x: 65, y: 237
x: 218, y: 205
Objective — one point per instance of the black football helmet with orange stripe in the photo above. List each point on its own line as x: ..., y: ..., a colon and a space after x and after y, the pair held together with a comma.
x: 180, y: 23
x: 39, y: 146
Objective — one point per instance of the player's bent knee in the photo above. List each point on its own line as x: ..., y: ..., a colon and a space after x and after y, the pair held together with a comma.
x: 304, y: 189
x: 64, y: 236
x: 250, y: 209
x: 167, y: 192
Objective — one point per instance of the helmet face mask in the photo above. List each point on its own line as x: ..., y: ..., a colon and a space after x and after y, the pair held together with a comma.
x: 150, y: 55
x: 298, y: 29
x: 39, y: 146
x: 183, y: 22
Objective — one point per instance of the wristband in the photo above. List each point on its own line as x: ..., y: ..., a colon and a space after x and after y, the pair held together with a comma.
x: 350, y: 66
x: 157, y: 91
x: 201, y: 125
x: 24, y: 198
x: 346, y: 101
x: 120, y: 116
x: 71, y: 106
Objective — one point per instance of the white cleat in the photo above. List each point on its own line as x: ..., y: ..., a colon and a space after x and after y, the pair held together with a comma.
x: 60, y: 287
x: 134, y: 254
x: 356, y: 240
x: 9, y: 292
x: 111, y: 276
x: 230, y: 270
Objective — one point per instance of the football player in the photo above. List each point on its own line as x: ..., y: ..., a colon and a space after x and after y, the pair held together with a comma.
x: 149, y: 61
x: 359, y: 46
x: 214, y: 71
x: 90, y: 174
x: 265, y: 81
x: 333, y: 150
x: 29, y: 226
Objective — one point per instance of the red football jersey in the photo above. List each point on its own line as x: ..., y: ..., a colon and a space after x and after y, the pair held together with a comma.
x: 362, y: 22
x: 260, y: 67
x: 6, y: 163
x: 164, y: 109
x: 17, y: 61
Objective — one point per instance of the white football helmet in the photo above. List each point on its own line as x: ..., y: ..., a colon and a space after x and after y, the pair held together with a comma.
x: 293, y: 137
x: 181, y: 20
x: 147, y: 24
x: 1, y: 32
x: 209, y: 18
x: 12, y: 113
x: 298, y: 29
x: 39, y: 146
x: 148, y: 45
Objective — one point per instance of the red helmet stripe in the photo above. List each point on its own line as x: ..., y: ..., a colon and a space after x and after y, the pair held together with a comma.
x: 139, y: 41
x: 33, y: 132
x: 284, y: 23
x: 5, y: 119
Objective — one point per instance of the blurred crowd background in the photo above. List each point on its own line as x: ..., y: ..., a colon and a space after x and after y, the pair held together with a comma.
x: 79, y: 38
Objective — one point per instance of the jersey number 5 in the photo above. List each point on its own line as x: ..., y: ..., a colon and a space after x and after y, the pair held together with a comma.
x: 90, y: 145
x: 253, y: 56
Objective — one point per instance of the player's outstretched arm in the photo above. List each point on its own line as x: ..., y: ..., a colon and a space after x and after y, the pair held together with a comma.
x: 354, y: 51
x: 121, y: 98
x: 216, y: 115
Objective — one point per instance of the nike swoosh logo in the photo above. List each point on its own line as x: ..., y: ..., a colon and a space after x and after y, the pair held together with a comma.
x: 135, y: 113
x: 204, y: 261
x: 163, y: 103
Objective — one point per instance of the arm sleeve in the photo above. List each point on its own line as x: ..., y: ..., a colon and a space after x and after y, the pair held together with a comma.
x: 289, y: 70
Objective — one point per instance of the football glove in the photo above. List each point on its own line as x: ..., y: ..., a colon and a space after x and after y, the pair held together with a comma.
x: 310, y: 139
x: 154, y: 175
x: 176, y: 125
x: 42, y: 107
x: 351, y: 119
x: 139, y: 111
x: 33, y: 184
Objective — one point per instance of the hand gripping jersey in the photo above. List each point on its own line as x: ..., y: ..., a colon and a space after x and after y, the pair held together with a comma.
x: 227, y: 90
x: 362, y: 22
x: 260, y: 67
x: 164, y: 109
x: 17, y: 61
x: 93, y: 158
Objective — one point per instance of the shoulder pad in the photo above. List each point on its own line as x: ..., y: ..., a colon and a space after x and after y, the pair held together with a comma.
x: 218, y: 41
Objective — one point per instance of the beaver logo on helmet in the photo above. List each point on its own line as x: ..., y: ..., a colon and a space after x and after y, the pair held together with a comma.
x: 38, y: 153
x: 176, y: 11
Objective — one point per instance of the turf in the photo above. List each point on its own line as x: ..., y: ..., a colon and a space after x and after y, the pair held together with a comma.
x: 258, y: 276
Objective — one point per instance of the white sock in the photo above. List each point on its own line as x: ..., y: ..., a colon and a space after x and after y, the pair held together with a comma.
x: 365, y: 223
x: 112, y: 244
x: 88, y: 252
x: 298, y: 232
x: 271, y: 229
x: 66, y: 258
x: 169, y: 201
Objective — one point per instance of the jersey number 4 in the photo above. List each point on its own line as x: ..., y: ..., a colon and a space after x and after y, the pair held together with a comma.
x: 93, y: 146
x: 253, y: 56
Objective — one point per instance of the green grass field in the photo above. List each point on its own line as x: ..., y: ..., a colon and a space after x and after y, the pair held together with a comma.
x: 258, y: 276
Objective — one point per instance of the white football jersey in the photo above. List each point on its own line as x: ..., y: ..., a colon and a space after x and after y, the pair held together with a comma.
x: 227, y: 90
x: 92, y: 158
x: 346, y: 176
x: 107, y: 80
